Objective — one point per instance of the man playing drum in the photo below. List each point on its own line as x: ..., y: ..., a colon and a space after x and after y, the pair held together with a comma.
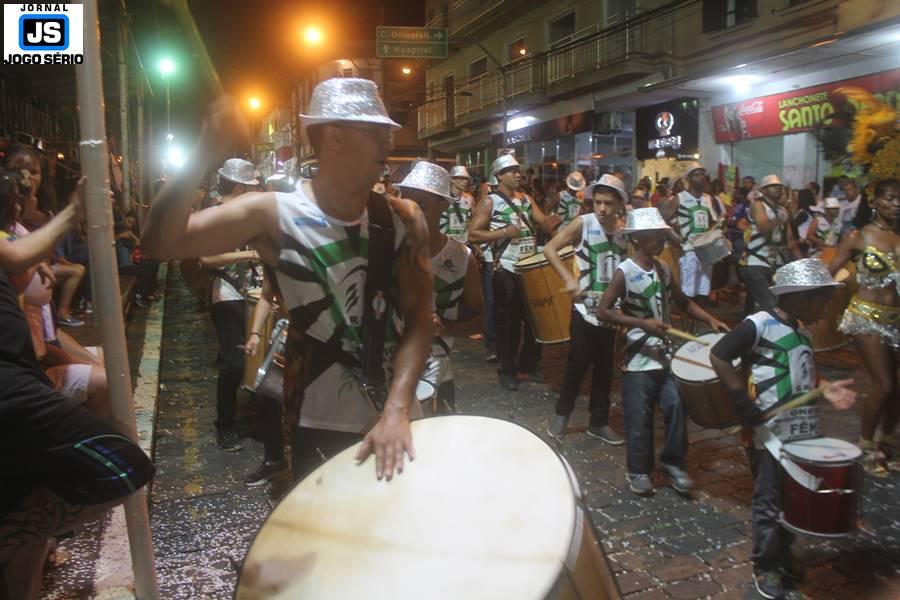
x: 318, y: 239
x: 693, y: 210
x: 644, y: 288
x: 777, y: 347
x: 455, y: 220
x: 510, y: 222
x: 459, y: 304
x: 599, y: 248
x: 571, y: 199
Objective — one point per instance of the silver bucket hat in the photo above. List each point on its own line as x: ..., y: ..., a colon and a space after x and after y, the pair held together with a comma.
x: 460, y: 171
x: 504, y: 162
x: 694, y: 166
x: 492, y: 181
x: 610, y: 181
x: 770, y: 180
x: 239, y: 170
x: 428, y: 177
x: 575, y: 181
x: 644, y: 219
x: 802, y: 275
x: 346, y: 99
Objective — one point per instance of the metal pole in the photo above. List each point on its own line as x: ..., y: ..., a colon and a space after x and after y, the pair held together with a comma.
x: 95, y: 164
x: 168, y: 111
x: 141, y: 157
x: 503, y: 105
x: 123, y: 113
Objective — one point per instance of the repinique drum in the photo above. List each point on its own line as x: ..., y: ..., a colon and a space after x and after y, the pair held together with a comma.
x: 252, y: 363
x: 711, y: 247
x: 824, y: 332
x: 549, y: 309
x: 833, y: 509
x: 487, y: 510
x: 705, y: 397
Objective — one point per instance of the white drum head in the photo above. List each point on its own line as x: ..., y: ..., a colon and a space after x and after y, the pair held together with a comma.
x: 485, y: 511
x: 693, y: 352
x: 823, y: 450
x: 424, y: 391
x: 707, y: 237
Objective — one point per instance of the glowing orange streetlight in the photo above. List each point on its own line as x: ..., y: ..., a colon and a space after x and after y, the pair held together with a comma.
x: 313, y: 36
x: 523, y: 51
x: 254, y: 103
x: 406, y: 70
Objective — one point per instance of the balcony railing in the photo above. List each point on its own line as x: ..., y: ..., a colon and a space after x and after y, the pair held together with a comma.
x: 464, y: 13
x: 487, y: 89
x: 17, y: 116
x: 433, y: 115
x: 600, y: 45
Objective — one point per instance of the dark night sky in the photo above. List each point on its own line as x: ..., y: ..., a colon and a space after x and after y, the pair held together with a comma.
x: 255, y: 45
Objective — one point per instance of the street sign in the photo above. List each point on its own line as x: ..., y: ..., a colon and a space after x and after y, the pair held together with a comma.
x: 411, y: 42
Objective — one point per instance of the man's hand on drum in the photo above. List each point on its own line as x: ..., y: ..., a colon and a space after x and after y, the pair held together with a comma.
x: 839, y: 393
x: 388, y: 440
x: 655, y: 327
x: 438, y: 325
x: 718, y: 325
x: 572, y: 288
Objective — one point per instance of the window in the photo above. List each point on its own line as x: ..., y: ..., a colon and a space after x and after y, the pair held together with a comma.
x: 722, y: 14
x: 561, y: 28
x: 516, y: 50
x: 347, y: 73
x: 478, y: 67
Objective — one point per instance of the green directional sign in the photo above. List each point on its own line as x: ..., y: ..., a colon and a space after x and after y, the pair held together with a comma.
x: 411, y: 42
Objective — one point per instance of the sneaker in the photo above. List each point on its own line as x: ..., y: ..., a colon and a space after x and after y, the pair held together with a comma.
x: 69, y: 321
x: 640, y: 484
x: 537, y: 377
x: 606, y: 434
x: 491, y: 355
x: 768, y: 584
x: 228, y: 440
x: 678, y: 478
x: 266, y: 472
x: 509, y: 382
x: 88, y: 308
x: 557, y: 428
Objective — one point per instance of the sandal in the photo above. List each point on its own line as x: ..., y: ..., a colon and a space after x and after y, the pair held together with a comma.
x: 890, y: 447
x: 873, y: 459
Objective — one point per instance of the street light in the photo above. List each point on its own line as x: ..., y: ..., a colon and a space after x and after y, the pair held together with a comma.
x: 406, y: 70
x: 313, y: 36
x: 166, y: 68
x: 254, y: 103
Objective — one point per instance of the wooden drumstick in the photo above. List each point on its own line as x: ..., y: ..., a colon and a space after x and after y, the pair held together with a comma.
x: 691, y: 361
x: 686, y: 336
x: 798, y: 401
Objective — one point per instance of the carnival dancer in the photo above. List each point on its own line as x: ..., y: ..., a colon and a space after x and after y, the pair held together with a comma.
x: 873, y: 319
x: 599, y: 248
x: 825, y: 229
x: 644, y: 289
x: 766, y: 242
x: 350, y: 264
x: 511, y: 222
x: 228, y: 307
x: 777, y: 347
x: 458, y: 302
x: 571, y: 199
x: 692, y: 209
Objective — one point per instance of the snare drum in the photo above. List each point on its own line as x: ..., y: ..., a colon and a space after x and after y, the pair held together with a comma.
x: 447, y: 528
x: 711, y: 247
x: 833, y: 509
x: 549, y: 309
x: 705, y: 398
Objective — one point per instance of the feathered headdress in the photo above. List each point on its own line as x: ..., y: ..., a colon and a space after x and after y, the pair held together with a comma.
x: 875, y: 144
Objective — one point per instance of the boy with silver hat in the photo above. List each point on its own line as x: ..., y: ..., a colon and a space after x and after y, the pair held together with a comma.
x: 227, y: 306
x: 458, y: 302
x: 692, y: 209
x: 825, y: 230
x: 599, y: 248
x: 776, y: 346
x: 351, y: 373
x: 455, y: 220
x: 510, y: 221
x: 571, y: 199
x: 643, y: 288
x: 766, y: 241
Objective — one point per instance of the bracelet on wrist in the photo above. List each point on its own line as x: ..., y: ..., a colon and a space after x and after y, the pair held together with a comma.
x: 256, y: 333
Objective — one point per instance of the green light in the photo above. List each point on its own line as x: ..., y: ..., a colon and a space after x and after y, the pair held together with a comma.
x: 166, y: 66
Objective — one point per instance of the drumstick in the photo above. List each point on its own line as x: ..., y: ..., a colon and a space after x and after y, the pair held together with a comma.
x: 798, y: 401
x: 686, y: 336
x: 693, y: 362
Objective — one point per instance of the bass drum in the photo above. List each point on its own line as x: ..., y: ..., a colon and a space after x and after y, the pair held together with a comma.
x: 549, y: 309
x: 454, y: 525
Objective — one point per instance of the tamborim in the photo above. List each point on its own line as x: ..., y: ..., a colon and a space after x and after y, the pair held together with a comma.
x: 549, y: 309
x: 487, y: 510
x: 711, y: 247
x: 705, y: 398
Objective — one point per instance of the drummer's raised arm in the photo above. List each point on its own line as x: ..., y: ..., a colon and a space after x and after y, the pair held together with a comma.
x: 568, y: 235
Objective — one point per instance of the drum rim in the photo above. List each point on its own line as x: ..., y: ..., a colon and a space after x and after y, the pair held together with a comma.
x: 793, y: 528
x: 817, y: 462
x: 712, y: 238
x: 576, y: 501
x: 715, y: 378
x: 563, y: 255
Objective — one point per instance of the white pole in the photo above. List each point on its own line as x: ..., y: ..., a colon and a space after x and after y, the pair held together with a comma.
x: 124, y: 146
x: 95, y: 164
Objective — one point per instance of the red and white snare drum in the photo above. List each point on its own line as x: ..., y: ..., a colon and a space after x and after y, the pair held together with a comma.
x: 487, y: 510
x: 833, y: 509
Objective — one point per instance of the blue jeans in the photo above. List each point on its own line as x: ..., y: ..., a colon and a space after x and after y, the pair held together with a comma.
x: 641, y: 392
x: 487, y: 287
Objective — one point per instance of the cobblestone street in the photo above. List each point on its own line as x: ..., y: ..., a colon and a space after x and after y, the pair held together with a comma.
x: 664, y: 546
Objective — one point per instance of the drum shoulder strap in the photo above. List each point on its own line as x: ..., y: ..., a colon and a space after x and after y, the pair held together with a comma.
x: 522, y: 216
x: 377, y: 295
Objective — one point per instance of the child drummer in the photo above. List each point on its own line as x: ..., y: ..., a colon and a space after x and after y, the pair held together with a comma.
x: 644, y: 287
x: 599, y: 248
x: 777, y: 347
x: 459, y: 304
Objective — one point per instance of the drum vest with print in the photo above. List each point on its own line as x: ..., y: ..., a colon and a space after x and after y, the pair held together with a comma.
x: 764, y: 249
x: 598, y: 254
x: 828, y: 233
x: 503, y: 215
x: 448, y: 269
x: 321, y: 275
x: 569, y: 207
x: 782, y: 366
x: 694, y: 217
x: 644, y: 300
x: 455, y: 220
